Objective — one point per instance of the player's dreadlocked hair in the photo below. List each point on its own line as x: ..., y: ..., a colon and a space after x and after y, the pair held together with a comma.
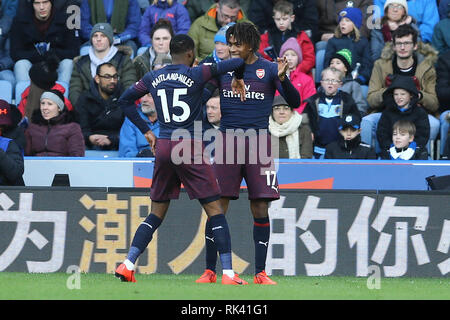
x: 245, y: 32
x: 181, y: 43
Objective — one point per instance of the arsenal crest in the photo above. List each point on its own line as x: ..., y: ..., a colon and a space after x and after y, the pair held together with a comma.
x: 260, y: 73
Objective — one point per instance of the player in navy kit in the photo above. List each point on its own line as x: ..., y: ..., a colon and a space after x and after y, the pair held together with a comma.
x: 246, y: 123
x: 177, y: 90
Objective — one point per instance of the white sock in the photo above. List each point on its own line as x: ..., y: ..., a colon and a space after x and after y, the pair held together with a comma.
x: 228, y: 272
x: 129, y: 264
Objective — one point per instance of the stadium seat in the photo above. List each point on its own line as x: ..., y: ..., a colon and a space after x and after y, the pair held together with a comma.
x: 22, y: 85
x: 6, y: 91
x: 20, y: 88
x: 84, y: 51
x: 101, y: 154
x: 141, y: 50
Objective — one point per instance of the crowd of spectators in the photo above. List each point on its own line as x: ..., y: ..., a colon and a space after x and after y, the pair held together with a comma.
x: 349, y: 59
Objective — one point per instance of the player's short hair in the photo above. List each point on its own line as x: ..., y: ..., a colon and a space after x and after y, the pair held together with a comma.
x: 403, y: 125
x: 245, y: 32
x: 181, y: 43
x: 283, y: 7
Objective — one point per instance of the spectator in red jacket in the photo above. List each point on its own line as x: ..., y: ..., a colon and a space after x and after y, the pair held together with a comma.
x: 283, y: 16
x: 300, y: 80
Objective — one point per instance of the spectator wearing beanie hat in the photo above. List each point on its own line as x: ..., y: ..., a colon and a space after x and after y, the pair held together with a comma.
x: 280, y: 32
x: 11, y: 155
x: 342, y: 60
x: 425, y: 12
x: 395, y: 14
x: 301, y: 81
x: 347, y: 36
x: 102, y: 50
x: 54, y: 130
x: 43, y: 76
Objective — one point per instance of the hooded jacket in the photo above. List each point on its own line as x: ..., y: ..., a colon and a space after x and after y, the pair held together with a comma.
x: 204, y: 29
x: 58, y: 137
x: 99, y: 116
x: 392, y: 114
x: 425, y: 73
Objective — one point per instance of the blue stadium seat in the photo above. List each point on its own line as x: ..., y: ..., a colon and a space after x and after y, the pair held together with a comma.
x: 6, y: 91
x: 320, y: 57
x: 20, y: 88
x: 141, y: 50
x: 22, y: 85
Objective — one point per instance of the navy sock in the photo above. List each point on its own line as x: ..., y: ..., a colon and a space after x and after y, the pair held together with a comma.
x: 261, y: 234
x: 222, y: 239
x: 211, y: 251
x: 143, y: 236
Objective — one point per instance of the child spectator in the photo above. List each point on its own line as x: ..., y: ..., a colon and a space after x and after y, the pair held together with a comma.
x: 283, y: 15
x: 403, y: 146
x: 54, y: 130
x: 401, y: 99
x: 349, y: 145
x: 171, y: 10
x: 395, y: 14
x: 348, y: 36
x: 301, y: 81
x: 342, y: 60
x: 161, y: 35
x: 326, y: 107
x: 221, y: 49
x: 11, y: 154
x: 290, y: 132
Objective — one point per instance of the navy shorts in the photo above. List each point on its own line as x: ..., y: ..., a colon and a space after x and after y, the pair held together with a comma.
x: 179, y: 162
x: 249, y: 158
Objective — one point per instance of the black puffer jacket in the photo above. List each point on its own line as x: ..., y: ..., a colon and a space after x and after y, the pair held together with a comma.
x: 392, y: 114
x: 350, y: 149
x: 99, y: 116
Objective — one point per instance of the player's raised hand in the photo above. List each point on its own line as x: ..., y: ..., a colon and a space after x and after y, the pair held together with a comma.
x: 151, y: 138
x: 238, y: 87
x: 282, y: 68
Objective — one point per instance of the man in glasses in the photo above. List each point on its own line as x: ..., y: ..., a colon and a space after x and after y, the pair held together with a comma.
x: 100, y: 115
x: 408, y: 57
x: 204, y: 28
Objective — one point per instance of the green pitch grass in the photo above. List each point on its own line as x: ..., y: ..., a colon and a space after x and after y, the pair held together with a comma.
x: 19, y: 286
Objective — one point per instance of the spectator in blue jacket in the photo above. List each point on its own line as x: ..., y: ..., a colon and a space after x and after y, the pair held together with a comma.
x: 123, y: 15
x: 443, y: 7
x: 425, y: 12
x: 132, y: 141
x: 7, y: 13
x: 171, y: 10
